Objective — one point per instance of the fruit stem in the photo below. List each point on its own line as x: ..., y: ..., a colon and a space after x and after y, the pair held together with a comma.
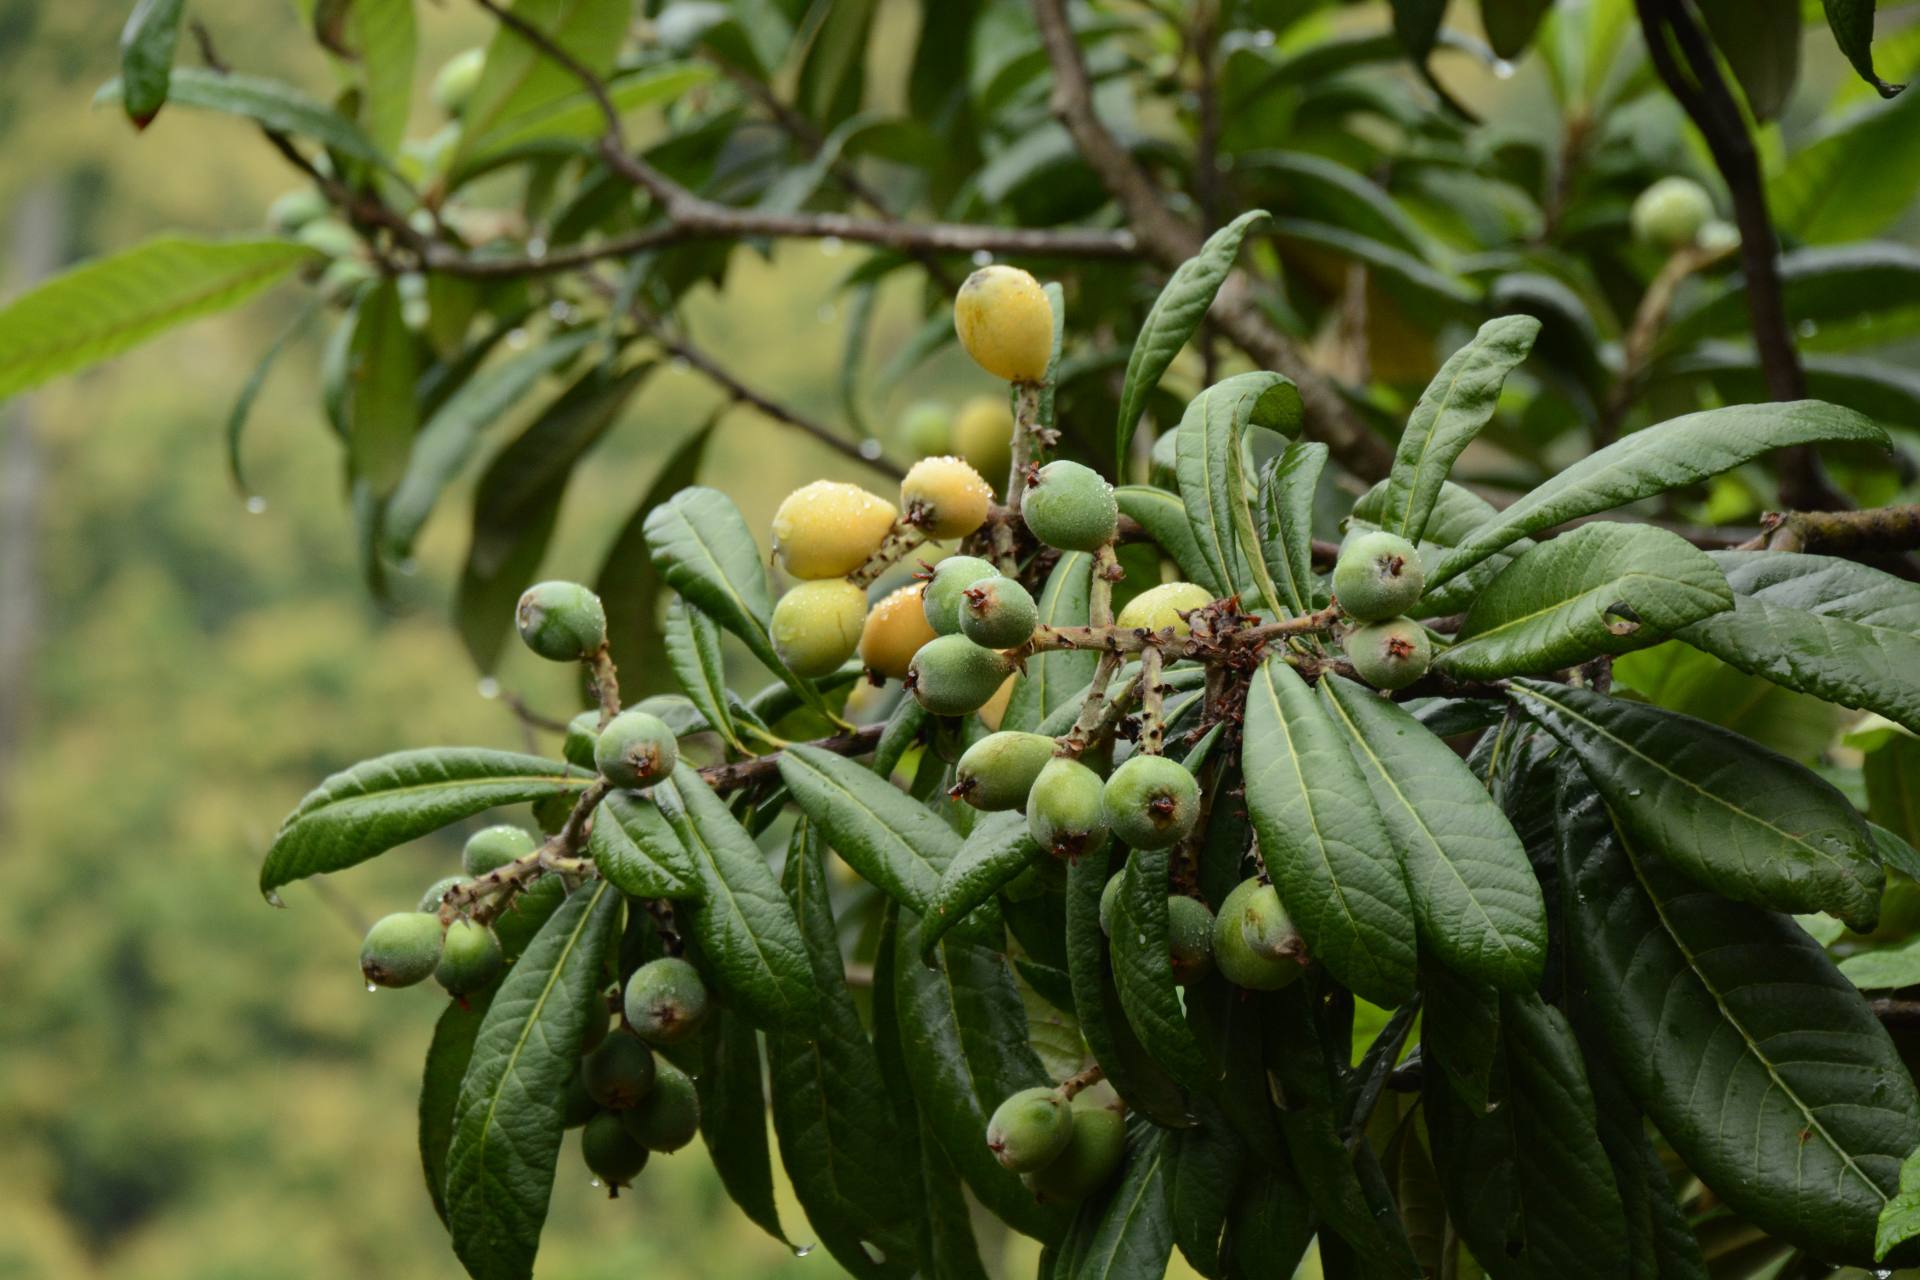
x: 1074, y: 1084
x: 1099, y: 713
x: 604, y: 679
x: 1026, y: 421
x: 483, y: 898
x: 1153, y: 722
x: 1106, y: 572
x: 901, y: 538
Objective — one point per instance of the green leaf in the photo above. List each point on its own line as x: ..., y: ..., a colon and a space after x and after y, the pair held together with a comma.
x: 635, y: 849
x: 1673, y: 454
x: 1052, y: 678
x: 1455, y: 516
x: 447, y: 1057
x: 382, y: 366
x: 518, y: 502
x: 1510, y: 24
x: 1417, y: 24
x: 1403, y: 275
x: 1134, y: 1238
x: 1323, y: 840
x: 1203, y: 1168
x: 1270, y: 1226
x: 1738, y: 818
x: 997, y: 849
x: 1213, y: 483
x: 1143, y: 971
x: 1603, y: 588
x: 146, y: 57
x: 1883, y: 969
x: 1900, y: 1217
x: 1164, y: 518
x: 1760, y: 39
x: 250, y: 392
x: 743, y: 923
x: 563, y: 123
x: 733, y: 1118
x: 508, y: 1122
x: 692, y: 642
x: 628, y: 580
x: 1451, y: 412
x: 385, y: 38
x: 1335, y: 195
x: 1892, y: 772
x: 1175, y: 314
x: 1286, y: 521
x: 891, y: 839
x: 837, y: 1140
x: 377, y: 804
x: 268, y: 103
x: 1730, y: 1027
x: 519, y: 81
x: 1460, y: 1034
x: 1836, y: 295
x: 1833, y: 628
x: 1852, y: 24
x: 1479, y: 908
x: 111, y: 304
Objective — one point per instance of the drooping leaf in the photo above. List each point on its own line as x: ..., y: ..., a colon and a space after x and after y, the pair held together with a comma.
x: 1175, y: 314
x: 692, y: 643
x: 1604, y: 588
x: 1479, y: 908
x: 1417, y: 24
x: 1270, y: 1227
x: 1852, y: 24
x: 1051, y: 678
x: 1134, y: 1236
x: 382, y: 367
x: 385, y: 39
x: 508, y: 1122
x: 743, y: 923
x: 146, y: 57
x: 268, y: 103
x: 1851, y: 182
x: 1834, y: 628
x: 564, y: 123
x: 635, y: 849
x: 1738, y: 818
x: 1730, y: 1027
x: 380, y: 803
x: 1143, y: 970
x: 1204, y: 1165
x: 1760, y: 39
x: 1286, y: 522
x: 889, y: 838
x: 997, y: 849
x: 733, y: 1118
x: 448, y: 1055
x: 628, y: 581
x: 1213, y: 481
x: 249, y: 393
x: 1510, y: 24
x: 1323, y: 840
x: 1675, y: 453
x: 106, y: 306
x: 1405, y: 276
x: 1451, y: 411
x: 1164, y: 518
x: 1835, y: 294
x: 519, y: 80
x: 1460, y: 1034
x: 1333, y: 193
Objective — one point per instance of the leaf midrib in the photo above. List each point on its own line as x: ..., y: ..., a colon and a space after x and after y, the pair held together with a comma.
x: 1567, y: 604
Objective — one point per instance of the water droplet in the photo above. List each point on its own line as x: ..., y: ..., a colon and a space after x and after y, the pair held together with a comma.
x: 1633, y: 793
x: 595, y: 1182
x: 830, y: 245
x: 371, y: 988
x: 275, y: 900
x: 256, y: 504
x: 802, y: 1250
x: 982, y: 257
x: 869, y: 449
x: 488, y: 688
x: 1264, y: 39
x: 517, y: 338
x: 536, y: 247
x: 1502, y: 69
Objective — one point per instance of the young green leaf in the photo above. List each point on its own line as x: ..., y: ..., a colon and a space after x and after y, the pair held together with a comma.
x: 519, y: 80
x: 1213, y: 482
x: 1455, y: 406
x: 1479, y: 908
x: 692, y: 642
x: 883, y: 833
x: 268, y: 103
x: 997, y: 849
x: 384, y: 37
x: 1738, y: 818
x: 382, y: 366
x: 113, y: 303
x: 1287, y: 487
x: 1175, y: 314
x: 146, y: 57
x: 508, y: 1121
x: 447, y: 1057
x: 1050, y: 678
x: 1323, y: 840
x: 1851, y: 22
x: 575, y: 118
x: 1164, y: 518
x: 380, y: 803
x: 1143, y: 971
x: 633, y: 847
x: 1604, y: 588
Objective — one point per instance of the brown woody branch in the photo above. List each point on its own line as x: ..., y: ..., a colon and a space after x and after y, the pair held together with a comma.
x: 1878, y: 529
x: 742, y: 773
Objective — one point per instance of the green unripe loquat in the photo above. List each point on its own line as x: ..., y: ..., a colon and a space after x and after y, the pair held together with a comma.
x: 1030, y: 1129
x: 1189, y: 938
x: 828, y: 529
x: 946, y: 497
x: 669, y: 1116
x: 1391, y: 654
x: 583, y: 733
x: 401, y: 949
x: 611, y: 1152
x: 576, y: 1104
x: 1159, y: 608
x: 953, y: 676
x: 619, y: 1073
x: 494, y: 847
x: 1005, y: 323
x: 1064, y: 814
x: 894, y: 631
x: 457, y: 79
x: 599, y: 1024
x: 926, y: 429
x: 983, y: 435
x: 1378, y: 575
x: 997, y: 772
x: 438, y: 890
x: 635, y: 749
x: 665, y: 1001
x: 1670, y: 213
x: 1254, y: 942
x: 1091, y: 1158
x: 561, y: 621
x: 1150, y: 802
x: 998, y: 613
x: 470, y: 959
x: 817, y: 625
x: 1070, y: 506
x: 941, y: 595
x: 1718, y: 236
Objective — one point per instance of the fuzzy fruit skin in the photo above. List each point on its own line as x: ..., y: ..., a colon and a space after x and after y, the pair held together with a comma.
x: 1378, y: 575
x: 1091, y: 1159
x: 529, y: 910
x: 401, y: 949
x: 941, y: 595
x: 1189, y: 939
x: 994, y: 710
x: 1150, y: 802
x: 1254, y: 942
x: 983, y: 435
x: 997, y: 772
x: 1030, y: 1129
x: 561, y: 621
x: 635, y: 749
x: 1670, y: 213
x: 619, y: 1073
x: 926, y: 429
x: 1064, y: 814
x: 430, y: 900
x: 611, y: 1152
x: 470, y: 959
x: 669, y: 1117
x: 817, y: 625
x: 946, y: 497
x: 1005, y: 322
x: 457, y: 79
x: 1070, y: 507
x: 494, y: 847
x: 953, y: 676
x: 1391, y: 654
x: 894, y: 631
x: 828, y: 529
x: 665, y: 1001
x: 1159, y: 608
x: 998, y: 613
x: 583, y: 731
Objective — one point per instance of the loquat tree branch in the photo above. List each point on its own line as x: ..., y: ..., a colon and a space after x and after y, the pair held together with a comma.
x: 1877, y: 529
